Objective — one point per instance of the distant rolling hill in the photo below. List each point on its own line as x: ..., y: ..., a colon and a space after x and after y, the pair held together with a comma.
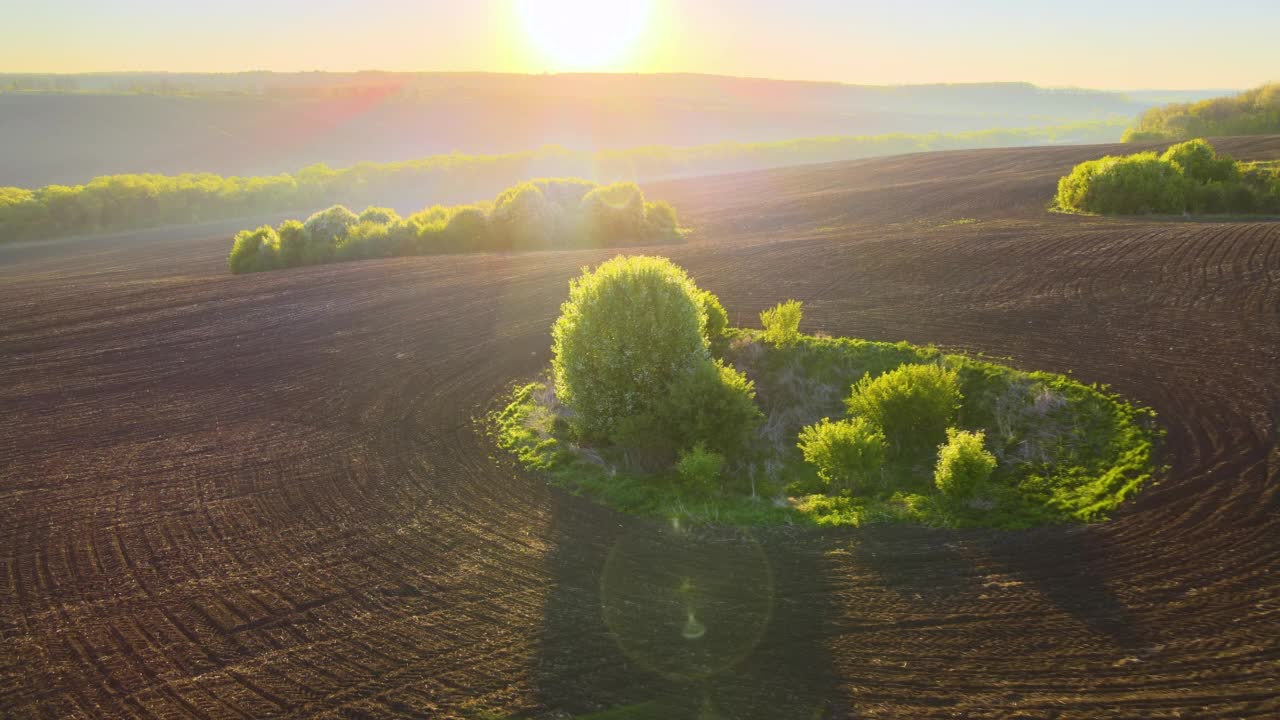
x: 66, y: 129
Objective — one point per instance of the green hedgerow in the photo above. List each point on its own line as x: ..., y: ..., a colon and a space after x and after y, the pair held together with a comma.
x: 782, y: 322
x: 847, y: 453
x: 913, y: 404
x: 964, y: 465
x: 629, y: 329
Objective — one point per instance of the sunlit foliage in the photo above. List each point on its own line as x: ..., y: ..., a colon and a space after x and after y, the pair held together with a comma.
x: 628, y: 331
x: 536, y: 215
x: 1252, y: 112
x: 1188, y: 178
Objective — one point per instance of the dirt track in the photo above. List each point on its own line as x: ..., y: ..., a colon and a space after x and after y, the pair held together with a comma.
x: 263, y: 495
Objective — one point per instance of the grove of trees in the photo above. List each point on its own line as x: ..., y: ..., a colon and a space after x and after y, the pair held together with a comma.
x: 543, y: 214
x: 1252, y: 112
x: 1189, y: 178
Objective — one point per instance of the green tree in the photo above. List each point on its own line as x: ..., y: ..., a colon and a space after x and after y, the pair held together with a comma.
x: 629, y: 329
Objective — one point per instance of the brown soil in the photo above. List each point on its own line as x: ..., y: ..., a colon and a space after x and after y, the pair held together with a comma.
x: 264, y: 495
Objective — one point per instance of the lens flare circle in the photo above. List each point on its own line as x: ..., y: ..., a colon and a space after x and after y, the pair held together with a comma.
x: 583, y: 34
x: 687, y: 603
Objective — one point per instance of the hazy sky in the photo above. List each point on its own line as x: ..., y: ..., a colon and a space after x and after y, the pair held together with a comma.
x: 1088, y: 43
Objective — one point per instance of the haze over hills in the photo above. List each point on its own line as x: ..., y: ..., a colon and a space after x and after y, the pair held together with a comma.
x: 68, y: 128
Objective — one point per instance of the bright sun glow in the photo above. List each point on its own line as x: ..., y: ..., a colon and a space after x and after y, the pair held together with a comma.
x: 583, y: 34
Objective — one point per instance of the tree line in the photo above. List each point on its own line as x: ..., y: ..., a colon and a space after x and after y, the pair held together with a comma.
x: 1252, y: 112
x: 543, y: 214
x: 132, y: 201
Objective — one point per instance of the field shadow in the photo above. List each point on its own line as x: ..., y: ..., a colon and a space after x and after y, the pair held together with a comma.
x: 943, y: 570
x: 647, y: 619
x: 1065, y: 566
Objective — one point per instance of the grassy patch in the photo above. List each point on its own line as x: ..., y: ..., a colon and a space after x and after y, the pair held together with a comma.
x: 1067, y: 452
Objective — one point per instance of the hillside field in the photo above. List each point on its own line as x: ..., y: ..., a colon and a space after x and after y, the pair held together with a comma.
x: 268, y: 495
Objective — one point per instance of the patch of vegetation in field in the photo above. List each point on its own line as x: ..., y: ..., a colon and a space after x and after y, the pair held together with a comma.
x: 1252, y: 112
x: 786, y: 428
x: 542, y: 214
x: 1189, y: 178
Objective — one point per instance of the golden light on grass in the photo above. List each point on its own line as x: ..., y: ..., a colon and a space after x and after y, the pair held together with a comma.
x: 580, y: 35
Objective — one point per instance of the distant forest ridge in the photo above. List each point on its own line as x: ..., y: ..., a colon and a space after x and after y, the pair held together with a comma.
x: 1252, y: 112
x: 422, y: 84
x: 67, y: 128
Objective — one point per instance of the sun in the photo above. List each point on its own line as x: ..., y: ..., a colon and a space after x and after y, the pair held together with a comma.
x: 583, y: 34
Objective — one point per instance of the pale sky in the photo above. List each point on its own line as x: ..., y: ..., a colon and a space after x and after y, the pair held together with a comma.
x: 1111, y: 44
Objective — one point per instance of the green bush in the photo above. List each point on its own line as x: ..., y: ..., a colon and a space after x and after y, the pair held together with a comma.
x: 613, y: 211
x: 660, y: 220
x: 964, y: 465
x: 710, y: 403
x: 1200, y: 163
x: 468, y: 227
x: 717, y: 322
x: 324, y: 230
x: 524, y: 219
x: 293, y: 243
x: 254, y: 250
x: 913, y: 404
x: 699, y: 468
x: 1189, y: 177
x: 847, y: 453
x: 782, y: 323
x: 1133, y: 184
x: 379, y: 215
x: 628, y: 331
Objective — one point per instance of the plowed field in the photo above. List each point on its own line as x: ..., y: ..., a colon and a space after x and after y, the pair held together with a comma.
x: 264, y: 495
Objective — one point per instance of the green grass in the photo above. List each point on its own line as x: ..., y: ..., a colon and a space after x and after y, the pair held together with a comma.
x: 1068, y: 452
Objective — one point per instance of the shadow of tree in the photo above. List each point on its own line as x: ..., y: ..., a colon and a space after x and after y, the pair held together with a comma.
x: 647, y: 619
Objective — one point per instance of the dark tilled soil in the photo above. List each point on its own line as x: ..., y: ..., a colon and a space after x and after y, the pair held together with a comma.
x: 265, y: 495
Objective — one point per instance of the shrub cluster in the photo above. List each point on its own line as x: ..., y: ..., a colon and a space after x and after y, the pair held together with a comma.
x: 914, y: 404
x: 645, y: 417
x: 900, y: 415
x: 535, y: 215
x: 131, y: 201
x: 1252, y: 112
x: 1188, y: 178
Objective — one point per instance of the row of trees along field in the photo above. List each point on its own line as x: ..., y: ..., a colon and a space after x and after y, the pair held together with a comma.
x: 1189, y: 177
x: 125, y: 202
x: 1252, y: 112
x: 543, y: 214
